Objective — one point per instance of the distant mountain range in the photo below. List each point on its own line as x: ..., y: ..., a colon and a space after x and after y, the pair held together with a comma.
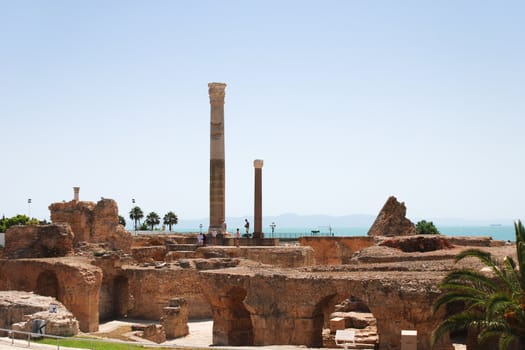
x: 323, y: 221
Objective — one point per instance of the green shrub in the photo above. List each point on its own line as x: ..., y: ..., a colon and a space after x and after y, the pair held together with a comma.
x: 19, y: 219
x: 426, y: 228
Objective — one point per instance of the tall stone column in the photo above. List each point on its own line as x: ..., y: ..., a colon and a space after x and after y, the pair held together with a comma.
x: 217, y: 168
x: 257, y: 214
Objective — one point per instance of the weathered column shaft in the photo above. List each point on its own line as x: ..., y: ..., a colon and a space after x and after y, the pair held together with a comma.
x: 257, y: 214
x: 76, y: 191
x: 217, y: 167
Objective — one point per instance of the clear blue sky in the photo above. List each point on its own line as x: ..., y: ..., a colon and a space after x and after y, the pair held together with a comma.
x: 347, y: 103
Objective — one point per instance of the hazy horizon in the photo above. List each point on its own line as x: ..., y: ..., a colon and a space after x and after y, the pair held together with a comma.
x: 347, y: 103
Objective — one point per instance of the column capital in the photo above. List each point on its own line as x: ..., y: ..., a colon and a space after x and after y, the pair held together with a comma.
x: 216, y: 92
x: 258, y: 163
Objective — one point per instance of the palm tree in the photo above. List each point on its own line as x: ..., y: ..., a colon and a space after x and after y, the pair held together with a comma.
x: 121, y: 220
x: 494, y: 305
x: 170, y: 219
x: 136, y: 214
x: 152, y: 220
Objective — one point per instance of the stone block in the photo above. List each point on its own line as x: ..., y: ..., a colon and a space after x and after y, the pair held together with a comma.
x: 408, y: 340
x: 337, y: 323
x: 154, y: 333
x: 175, y: 318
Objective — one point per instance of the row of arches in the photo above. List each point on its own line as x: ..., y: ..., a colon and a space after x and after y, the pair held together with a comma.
x: 238, y: 328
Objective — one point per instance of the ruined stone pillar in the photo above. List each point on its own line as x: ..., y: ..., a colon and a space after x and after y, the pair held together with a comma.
x: 217, y: 168
x: 257, y: 214
x: 76, y: 191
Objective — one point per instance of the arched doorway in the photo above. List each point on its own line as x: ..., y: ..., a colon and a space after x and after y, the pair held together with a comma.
x: 237, y: 328
x: 47, y: 284
x: 114, y: 298
x: 347, y: 313
x: 120, y: 296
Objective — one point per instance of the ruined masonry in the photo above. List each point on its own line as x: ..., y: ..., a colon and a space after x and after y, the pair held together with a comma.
x: 392, y: 220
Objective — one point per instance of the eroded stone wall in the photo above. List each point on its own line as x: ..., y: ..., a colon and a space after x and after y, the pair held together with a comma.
x: 93, y: 223
x: 38, y: 241
x: 276, y: 256
x: 278, y: 307
x: 72, y: 281
x: 153, y: 288
x: 335, y: 250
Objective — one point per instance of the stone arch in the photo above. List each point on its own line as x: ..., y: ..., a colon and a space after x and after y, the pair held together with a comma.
x: 319, y: 317
x: 47, y: 284
x: 346, y: 312
x: 237, y: 328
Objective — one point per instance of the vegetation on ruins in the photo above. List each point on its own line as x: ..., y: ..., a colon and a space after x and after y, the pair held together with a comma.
x: 136, y: 214
x: 19, y: 219
x: 426, y: 228
x: 121, y: 220
x: 152, y: 220
x: 494, y: 304
x: 170, y: 219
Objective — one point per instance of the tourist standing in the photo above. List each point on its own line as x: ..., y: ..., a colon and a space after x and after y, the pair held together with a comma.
x: 200, y: 239
x: 247, y: 227
x: 237, y: 237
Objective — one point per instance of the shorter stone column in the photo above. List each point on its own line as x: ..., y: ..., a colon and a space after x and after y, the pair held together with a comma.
x: 76, y: 191
x: 175, y: 318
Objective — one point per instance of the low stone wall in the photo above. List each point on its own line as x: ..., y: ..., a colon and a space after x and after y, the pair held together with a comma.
x: 472, y: 241
x: 335, y: 250
x: 277, y: 256
x: 147, y: 254
x: 72, y: 281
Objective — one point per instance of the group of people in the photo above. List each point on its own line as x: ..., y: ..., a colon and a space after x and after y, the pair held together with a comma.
x: 201, y: 238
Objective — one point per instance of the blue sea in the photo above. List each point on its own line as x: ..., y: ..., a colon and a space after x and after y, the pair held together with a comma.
x: 497, y: 232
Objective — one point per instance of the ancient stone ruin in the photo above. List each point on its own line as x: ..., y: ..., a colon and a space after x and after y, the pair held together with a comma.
x: 19, y: 310
x: 392, y: 221
x: 267, y: 294
x: 93, y: 222
x: 175, y: 318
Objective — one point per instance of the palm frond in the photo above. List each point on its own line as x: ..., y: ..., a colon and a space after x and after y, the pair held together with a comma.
x: 487, y: 259
x: 464, y: 275
x: 457, y: 322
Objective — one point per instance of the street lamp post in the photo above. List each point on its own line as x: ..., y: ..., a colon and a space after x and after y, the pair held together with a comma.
x: 272, y: 225
x: 29, y: 207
